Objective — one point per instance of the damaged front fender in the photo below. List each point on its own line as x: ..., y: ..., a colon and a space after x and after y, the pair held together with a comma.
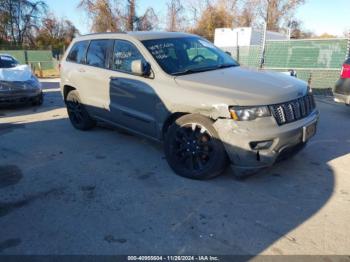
x: 214, y: 112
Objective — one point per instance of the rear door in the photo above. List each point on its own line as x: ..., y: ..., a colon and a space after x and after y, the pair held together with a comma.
x: 132, y: 98
x: 71, y: 71
x: 95, y: 77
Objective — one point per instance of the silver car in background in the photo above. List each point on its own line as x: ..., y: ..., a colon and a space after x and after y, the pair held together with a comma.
x: 182, y: 90
x: 17, y: 83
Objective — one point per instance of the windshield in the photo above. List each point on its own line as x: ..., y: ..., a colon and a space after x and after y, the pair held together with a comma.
x: 7, y: 61
x: 188, y: 55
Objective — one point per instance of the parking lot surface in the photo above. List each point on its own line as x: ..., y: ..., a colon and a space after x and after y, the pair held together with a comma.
x: 64, y: 191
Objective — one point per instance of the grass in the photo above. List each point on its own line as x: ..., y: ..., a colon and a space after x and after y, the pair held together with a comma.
x: 47, y: 73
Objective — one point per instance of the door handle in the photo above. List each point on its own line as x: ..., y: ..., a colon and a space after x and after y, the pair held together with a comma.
x: 114, y: 78
x: 81, y: 70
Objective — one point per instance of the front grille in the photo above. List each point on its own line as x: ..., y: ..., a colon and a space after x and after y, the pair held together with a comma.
x: 293, y: 110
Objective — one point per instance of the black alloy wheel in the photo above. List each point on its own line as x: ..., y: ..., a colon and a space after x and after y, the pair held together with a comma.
x: 77, y: 113
x: 193, y: 148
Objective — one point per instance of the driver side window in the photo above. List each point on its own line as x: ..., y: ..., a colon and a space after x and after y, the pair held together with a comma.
x: 123, y: 55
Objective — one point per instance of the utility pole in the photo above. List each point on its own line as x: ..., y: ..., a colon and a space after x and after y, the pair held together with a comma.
x: 237, y: 46
x: 289, y: 32
x: 348, y: 50
x: 131, y: 15
x: 263, y: 46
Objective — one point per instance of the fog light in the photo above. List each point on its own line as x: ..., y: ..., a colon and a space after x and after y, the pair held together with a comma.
x: 259, y: 145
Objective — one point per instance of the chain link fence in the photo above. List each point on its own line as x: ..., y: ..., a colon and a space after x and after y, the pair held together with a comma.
x: 37, y: 59
x: 317, y: 61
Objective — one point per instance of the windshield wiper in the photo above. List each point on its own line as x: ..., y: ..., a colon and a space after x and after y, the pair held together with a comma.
x: 198, y: 70
x: 188, y: 71
x: 226, y: 66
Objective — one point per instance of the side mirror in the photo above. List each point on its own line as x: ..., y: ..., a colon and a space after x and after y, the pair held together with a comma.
x: 140, y: 68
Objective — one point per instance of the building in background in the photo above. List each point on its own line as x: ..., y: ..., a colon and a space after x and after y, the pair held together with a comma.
x: 243, y: 36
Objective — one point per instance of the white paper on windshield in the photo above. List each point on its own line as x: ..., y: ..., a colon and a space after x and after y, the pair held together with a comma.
x: 18, y: 73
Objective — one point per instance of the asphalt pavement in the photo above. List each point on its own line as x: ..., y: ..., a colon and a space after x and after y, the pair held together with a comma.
x: 64, y: 191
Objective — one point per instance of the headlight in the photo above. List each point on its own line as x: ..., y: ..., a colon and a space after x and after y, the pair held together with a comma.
x: 33, y: 82
x: 249, y: 113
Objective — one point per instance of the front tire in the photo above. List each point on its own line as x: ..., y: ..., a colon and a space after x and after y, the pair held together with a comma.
x: 38, y: 100
x: 77, y: 112
x: 193, y: 148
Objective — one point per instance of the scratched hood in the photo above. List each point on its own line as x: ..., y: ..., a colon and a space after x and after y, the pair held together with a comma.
x: 244, y: 86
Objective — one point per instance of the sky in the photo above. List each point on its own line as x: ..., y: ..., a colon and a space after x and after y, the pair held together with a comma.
x: 319, y: 16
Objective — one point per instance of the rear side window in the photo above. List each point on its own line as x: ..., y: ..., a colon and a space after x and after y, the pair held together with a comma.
x: 347, y: 61
x: 77, y: 53
x: 97, y: 53
x: 123, y: 55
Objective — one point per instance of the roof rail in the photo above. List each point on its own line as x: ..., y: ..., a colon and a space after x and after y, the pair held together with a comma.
x: 104, y: 33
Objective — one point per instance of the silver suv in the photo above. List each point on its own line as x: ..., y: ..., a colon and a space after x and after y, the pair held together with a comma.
x: 181, y: 89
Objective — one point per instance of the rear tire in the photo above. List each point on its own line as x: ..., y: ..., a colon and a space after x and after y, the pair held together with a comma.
x: 193, y: 148
x: 77, y: 112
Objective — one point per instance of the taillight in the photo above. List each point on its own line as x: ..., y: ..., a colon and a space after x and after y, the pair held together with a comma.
x: 345, y: 72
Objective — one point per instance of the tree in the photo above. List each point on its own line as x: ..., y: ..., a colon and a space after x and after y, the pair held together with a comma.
x: 176, y: 17
x: 132, y: 21
x: 195, y: 9
x: 106, y: 16
x: 213, y: 17
x: 148, y: 21
x: 103, y: 14
x: 3, y: 28
x: 55, y: 33
x: 326, y: 35
x: 276, y: 12
x: 19, y: 18
x: 246, y: 15
x: 131, y: 16
x: 296, y: 31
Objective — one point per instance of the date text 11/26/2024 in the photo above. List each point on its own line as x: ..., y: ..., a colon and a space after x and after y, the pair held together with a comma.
x: 173, y: 258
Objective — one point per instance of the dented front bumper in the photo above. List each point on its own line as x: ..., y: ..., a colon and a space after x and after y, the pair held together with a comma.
x: 238, y: 138
x: 19, y: 91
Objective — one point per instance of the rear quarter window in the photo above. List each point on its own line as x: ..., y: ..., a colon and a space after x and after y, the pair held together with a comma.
x: 77, y: 53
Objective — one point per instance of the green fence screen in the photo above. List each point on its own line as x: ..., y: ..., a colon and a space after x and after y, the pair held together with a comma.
x: 316, y: 61
x: 35, y: 58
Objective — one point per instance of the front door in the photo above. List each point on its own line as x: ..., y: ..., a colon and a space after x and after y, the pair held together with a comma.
x: 132, y: 98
